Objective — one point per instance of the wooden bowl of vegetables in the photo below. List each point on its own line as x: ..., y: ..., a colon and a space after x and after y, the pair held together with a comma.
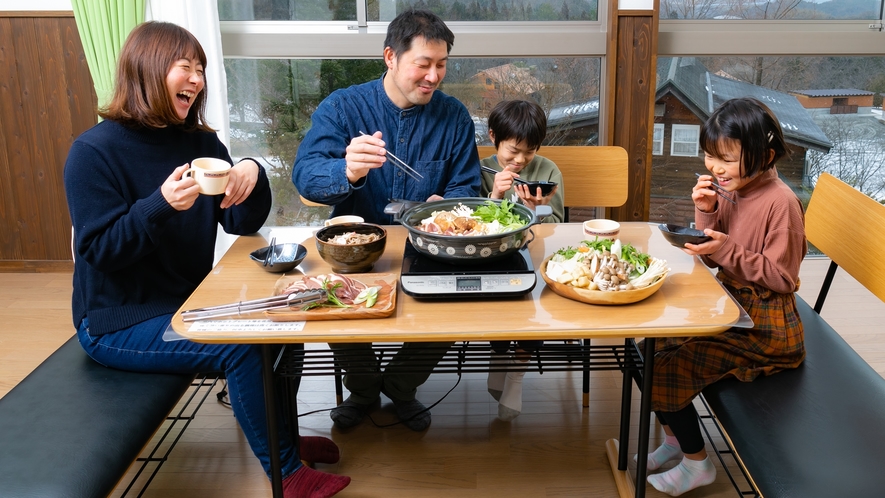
x: 603, y: 272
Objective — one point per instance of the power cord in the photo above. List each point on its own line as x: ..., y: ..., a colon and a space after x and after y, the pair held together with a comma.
x: 223, y: 398
x: 419, y: 413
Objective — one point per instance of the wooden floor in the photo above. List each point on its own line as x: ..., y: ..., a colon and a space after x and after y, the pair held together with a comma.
x: 555, y: 448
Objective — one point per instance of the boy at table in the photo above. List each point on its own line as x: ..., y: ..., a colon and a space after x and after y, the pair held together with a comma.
x: 339, y: 165
x: 517, y: 128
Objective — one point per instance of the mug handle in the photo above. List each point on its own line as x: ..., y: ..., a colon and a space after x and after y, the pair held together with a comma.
x: 187, y: 173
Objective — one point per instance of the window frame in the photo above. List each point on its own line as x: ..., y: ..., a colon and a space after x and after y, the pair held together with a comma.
x: 657, y: 146
x: 695, y: 143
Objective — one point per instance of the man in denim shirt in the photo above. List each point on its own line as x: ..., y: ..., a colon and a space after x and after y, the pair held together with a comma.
x: 336, y: 164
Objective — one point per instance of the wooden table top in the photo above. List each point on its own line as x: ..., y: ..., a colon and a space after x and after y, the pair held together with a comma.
x: 691, y: 301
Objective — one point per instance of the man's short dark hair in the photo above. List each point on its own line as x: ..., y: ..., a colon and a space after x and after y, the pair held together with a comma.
x: 518, y: 120
x: 413, y: 23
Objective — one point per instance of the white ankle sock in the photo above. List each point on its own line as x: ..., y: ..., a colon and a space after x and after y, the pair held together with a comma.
x: 688, y: 475
x: 495, y: 383
x: 510, y: 404
x: 668, y: 450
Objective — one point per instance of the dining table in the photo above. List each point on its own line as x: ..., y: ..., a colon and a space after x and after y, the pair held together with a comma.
x: 691, y: 302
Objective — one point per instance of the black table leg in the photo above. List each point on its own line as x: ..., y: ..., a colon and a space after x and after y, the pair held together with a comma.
x: 648, y: 355
x: 273, y: 435
x: 626, y: 399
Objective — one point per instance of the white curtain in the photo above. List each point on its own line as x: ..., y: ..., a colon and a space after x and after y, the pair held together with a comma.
x: 200, y: 17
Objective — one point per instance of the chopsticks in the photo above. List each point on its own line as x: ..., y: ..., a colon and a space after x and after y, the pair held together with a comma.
x: 399, y: 163
x: 495, y: 172
x: 269, y: 256
x: 719, y: 190
x: 243, y: 307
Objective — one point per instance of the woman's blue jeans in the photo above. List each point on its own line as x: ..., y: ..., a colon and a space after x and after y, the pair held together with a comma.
x: 141, y: 348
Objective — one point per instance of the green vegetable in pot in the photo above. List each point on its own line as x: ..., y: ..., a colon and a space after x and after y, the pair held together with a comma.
x: 503, y: 214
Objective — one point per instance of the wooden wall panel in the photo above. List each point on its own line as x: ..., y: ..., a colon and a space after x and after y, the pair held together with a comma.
x: 46, y: 100
x: 632, y: 60
x: 634, y: 87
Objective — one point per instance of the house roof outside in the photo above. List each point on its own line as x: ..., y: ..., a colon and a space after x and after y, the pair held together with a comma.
x: 702, y: 92
x: 570, y: 115
x: 574, y: 114
x: 834, y: 92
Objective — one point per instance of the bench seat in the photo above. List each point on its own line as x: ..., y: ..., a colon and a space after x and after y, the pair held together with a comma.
x: 73, y: 427
x: 813, y: 431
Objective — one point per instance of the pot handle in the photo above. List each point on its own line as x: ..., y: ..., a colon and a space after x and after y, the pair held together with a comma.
x: 543, y: 211
x: 526, y: 244
x: 397, y: 207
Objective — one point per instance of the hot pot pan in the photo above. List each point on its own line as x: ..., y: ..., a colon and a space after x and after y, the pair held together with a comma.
x: 463, y: 249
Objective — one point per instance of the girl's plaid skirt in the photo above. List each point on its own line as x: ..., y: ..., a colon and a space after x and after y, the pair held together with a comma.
x: 686, y: 365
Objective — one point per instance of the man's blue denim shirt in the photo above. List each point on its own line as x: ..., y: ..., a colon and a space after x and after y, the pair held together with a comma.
x: 437, y: 139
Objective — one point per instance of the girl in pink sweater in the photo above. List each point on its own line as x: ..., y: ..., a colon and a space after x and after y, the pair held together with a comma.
x: 758, y: 243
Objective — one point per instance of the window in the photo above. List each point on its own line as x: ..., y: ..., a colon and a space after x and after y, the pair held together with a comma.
x: 271, y: 101
x: 849, y: 144
x: 774, y: 10
x: 684, y: 140
x: 570, y: 10
x: 293, y: 10
x: 657, y: 146
x: 309, y: 33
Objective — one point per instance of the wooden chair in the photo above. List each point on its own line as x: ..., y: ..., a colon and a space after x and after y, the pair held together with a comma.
x: 593, y: 176
x: 847, y: 226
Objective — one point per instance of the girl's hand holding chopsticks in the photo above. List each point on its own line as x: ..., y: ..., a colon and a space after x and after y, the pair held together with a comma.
x: 704, y: 193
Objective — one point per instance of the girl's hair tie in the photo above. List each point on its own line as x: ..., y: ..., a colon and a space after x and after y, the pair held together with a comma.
x: 770, y: 136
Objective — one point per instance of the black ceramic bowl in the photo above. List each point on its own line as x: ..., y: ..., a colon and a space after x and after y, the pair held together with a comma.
x: 546, y: 187
x: 285, y: 257
x: 679, y: 235
x: 351, y: 258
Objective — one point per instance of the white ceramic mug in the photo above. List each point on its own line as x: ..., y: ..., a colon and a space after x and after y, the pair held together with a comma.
x: 348, y: 218
x: 210, y: 173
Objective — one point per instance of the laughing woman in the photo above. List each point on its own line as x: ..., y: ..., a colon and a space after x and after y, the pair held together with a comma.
x: 145, y: 236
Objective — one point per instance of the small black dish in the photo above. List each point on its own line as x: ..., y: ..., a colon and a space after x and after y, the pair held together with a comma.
x: 546, y: 187
x: 679, y: 235
x: 285, y: 257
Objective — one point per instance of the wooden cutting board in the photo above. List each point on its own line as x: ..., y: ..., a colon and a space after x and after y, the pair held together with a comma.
x: 383, y: 307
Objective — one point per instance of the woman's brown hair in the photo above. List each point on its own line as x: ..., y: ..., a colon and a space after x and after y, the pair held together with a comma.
x: 140, y: 94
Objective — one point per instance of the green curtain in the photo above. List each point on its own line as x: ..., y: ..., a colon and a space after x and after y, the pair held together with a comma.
x: 104, y: 26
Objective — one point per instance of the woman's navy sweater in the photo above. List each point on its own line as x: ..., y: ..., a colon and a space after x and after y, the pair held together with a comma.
x: 136, y: 256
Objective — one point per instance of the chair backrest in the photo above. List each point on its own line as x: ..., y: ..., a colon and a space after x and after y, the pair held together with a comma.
x: 849, y: 227
x: 593, y: 176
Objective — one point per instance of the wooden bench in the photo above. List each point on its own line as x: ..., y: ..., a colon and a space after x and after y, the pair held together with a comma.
x: 73, y: 427
x: 817, y: 430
